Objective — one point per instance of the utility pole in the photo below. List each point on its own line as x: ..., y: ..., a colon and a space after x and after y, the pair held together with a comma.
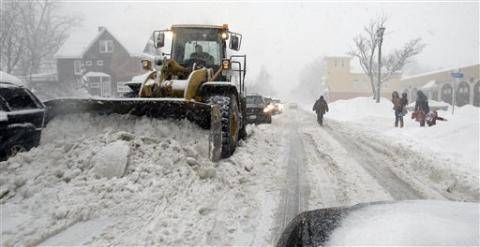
x: 380, y: 32
x: 456, y: 77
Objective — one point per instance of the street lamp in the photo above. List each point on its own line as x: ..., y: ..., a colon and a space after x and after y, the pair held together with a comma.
x: 380, y: 32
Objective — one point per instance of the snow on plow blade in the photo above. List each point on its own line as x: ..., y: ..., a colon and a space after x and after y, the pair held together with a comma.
x: 162, y: 108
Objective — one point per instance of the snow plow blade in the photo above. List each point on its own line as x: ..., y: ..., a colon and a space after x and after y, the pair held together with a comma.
x: 162, y: 108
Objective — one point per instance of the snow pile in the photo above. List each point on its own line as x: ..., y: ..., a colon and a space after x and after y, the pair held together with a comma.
x: 456, y: 139
x: 136, y: 181
x: 432, y: 103
x: 409, y: 223
x: 359, y: 109
x: 111, y: 160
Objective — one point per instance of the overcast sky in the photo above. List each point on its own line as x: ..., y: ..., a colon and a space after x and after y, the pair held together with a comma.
x: 286, y: 36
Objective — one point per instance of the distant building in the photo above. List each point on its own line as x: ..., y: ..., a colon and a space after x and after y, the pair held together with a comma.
x: 98, y: 61
x: 342, y: 83
x: 438, y: 85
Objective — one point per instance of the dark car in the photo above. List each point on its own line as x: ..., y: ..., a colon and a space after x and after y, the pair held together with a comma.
x: 393, y: 223
x: 22, y: 117
x: 257, y: 110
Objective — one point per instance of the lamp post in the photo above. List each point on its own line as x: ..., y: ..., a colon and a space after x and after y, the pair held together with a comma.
x: 380, y: 32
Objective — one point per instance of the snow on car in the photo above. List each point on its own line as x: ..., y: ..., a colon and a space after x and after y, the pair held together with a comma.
x: 404, y: 223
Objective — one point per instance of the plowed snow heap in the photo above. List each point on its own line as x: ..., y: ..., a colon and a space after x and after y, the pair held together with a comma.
x: 199, y: 80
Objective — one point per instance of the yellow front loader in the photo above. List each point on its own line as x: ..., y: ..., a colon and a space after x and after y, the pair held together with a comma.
x: 198, y: 80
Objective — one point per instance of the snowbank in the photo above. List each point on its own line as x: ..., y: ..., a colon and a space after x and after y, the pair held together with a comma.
x: 456, y: 139
x: 156, y: 186
x: 358, y: 109
x: 111, y: 160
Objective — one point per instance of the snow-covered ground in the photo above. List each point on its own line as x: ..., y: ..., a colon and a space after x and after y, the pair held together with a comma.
x: 118, y: 180
x: 456, y: 139
x: 136, y: 181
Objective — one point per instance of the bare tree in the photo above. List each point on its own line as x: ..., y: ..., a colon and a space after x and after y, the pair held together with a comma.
x: 12, y: 41
x: 36, y: 32
x: 311, y: 81
x: 263, y: 83
x: 365, y: 49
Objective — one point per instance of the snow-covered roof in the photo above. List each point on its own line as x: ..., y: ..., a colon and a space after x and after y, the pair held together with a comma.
x: 438, y: 71
x: 95, y: 74
x: 5, y: 77
x: 81, y: 40
x: 431, y: 84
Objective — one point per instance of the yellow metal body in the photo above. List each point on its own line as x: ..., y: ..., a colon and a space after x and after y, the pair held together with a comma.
x: 165, y: 83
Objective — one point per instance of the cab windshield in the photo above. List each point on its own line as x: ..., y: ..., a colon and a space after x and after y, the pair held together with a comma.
x: 254, y: 100
x: 194, y: 44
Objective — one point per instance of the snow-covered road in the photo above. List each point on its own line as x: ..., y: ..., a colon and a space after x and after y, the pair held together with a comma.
x: 344, y: 164
x: 170, y: 194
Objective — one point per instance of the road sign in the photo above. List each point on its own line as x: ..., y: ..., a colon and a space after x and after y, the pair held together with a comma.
x: 457, y: 75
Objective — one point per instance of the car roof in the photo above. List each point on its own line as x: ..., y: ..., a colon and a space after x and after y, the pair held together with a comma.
x: 4, y: 84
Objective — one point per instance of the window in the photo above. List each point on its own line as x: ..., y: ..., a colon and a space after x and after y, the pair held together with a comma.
x: 254, y: 100
x: 197, y: 44
x: 77, y: 67
x: 99, y: 62
x: 94, y: 84
x: 106, y: 46
x: 18, y: 98
x: 88, y: 63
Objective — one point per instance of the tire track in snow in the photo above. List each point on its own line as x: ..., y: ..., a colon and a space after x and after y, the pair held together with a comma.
x: 374, y: 163
x: 327, y: 173
x: 296, y: 191
x: 416, y: 169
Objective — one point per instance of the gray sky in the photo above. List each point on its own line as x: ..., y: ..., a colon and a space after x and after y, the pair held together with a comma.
x: 286, y: 36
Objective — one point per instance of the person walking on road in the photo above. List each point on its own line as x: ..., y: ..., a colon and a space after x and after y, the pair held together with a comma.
x: 421, y: 108
x: 320, y: 107
x: 398, y: 109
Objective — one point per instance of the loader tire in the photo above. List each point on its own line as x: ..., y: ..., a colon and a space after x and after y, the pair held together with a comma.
x: 230, y: 121
x: 269, y: 119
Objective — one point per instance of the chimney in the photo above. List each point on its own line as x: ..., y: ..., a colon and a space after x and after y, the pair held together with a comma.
x: 100, y: 28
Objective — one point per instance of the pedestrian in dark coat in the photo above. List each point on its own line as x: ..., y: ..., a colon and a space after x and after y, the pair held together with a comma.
x: 398, y: 109
x: 421, y: 107
x: 404, y: 103
x: 320, y: 107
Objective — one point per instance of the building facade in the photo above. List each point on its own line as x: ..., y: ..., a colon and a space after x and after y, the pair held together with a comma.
x: 97, y: 63
x: 439, y: 85
x: 342, y: 83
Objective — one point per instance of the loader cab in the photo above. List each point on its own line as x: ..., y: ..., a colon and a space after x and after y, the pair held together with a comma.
x: 202, y: 46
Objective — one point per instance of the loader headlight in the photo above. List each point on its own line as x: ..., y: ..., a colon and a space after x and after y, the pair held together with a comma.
x: 226, y: 64
x: 269, y: 108
x: 146, y: 64
x: 224, y: 35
